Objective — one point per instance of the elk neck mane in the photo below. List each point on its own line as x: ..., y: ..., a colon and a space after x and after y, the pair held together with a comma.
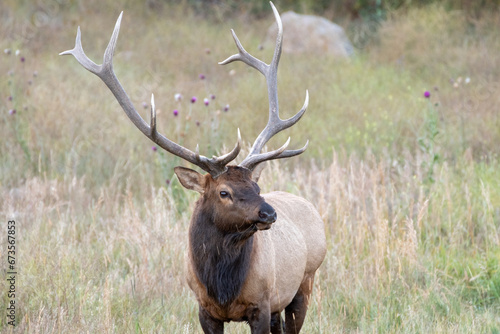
x: 221, y: 259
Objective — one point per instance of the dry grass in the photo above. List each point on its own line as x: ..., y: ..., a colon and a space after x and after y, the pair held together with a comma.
x: 413, y: 239
x: 112, y: 264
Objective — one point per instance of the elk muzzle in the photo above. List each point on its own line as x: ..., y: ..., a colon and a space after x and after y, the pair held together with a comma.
x: 267, y: 216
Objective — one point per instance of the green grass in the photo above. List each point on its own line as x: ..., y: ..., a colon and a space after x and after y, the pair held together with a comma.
x: 408, y: 187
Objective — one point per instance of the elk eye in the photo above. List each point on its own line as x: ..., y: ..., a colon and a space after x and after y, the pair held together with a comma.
x: 224, y: 194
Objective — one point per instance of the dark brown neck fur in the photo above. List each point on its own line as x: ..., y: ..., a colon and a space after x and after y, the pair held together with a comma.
x: 221, y: 259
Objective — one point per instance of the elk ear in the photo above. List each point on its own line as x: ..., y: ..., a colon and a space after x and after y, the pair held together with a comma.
x: 257, y: 170
x: 190, y: 179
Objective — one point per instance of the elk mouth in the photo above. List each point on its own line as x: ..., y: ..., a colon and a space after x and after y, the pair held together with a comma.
x: 262, y: 226
x: 267, y: 216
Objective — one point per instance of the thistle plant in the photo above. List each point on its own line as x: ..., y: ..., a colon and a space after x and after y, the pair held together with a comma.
x: 427, y: 140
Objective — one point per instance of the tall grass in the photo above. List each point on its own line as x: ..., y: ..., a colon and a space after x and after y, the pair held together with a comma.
x: 401, y: 258
x: 408, y: 187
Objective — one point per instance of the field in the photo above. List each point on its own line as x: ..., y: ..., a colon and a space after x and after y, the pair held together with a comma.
x: 408, y: 186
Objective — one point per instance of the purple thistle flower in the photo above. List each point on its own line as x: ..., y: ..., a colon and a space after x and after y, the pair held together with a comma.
x: 167, y: 181
x: 193, y: 99
x: 22, y: 59
x: 176, y: 112
x: 198, y: 123
x: 154, y: 148
x: 226, y: 108
x: 202, y: 76
x: 427, y: 94
x: 10, y: 98
x: 206, y: 101
x: 12, y: 111
x: 212, y: 97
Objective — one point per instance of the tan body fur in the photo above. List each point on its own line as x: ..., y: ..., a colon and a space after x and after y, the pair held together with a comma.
x: 284, y: 259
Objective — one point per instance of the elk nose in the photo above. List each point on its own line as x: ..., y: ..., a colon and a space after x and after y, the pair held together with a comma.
x: 267, y: 214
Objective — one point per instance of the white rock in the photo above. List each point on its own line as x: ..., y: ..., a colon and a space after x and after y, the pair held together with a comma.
x: 311, y: 34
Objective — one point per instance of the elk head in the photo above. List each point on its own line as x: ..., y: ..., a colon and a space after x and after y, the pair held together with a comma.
x: 232, y: 188
x: 233, y: 199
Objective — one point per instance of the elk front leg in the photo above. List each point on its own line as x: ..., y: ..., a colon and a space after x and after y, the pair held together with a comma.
x: 259, y: 319
x: 209, y: 324
x: 277, y: 323
x: 295, y: 312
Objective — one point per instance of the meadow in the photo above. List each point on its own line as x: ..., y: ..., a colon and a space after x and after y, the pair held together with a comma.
x: 408, y: 185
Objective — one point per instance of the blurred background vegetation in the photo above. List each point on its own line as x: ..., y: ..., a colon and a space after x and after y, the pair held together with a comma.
x: 408, y: 185
x: 350, y: 9
x: 371, y: 102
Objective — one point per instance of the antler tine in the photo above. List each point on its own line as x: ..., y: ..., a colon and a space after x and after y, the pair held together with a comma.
x: 275, y: 124
x: 227, y: 158
x: 253, y: 160
x: 153, y: 116
x: 245, y: 57
x: 279, y: 39
x: 214, y: 166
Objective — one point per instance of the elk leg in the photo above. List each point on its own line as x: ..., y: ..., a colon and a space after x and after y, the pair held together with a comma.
x: 209, y: 324
x: 277, y: 323
x: 295, y: 312
x: 259, y: 320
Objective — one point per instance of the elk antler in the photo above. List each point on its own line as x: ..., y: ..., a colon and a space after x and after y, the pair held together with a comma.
x: 215, y: 166
x: 275, y: 124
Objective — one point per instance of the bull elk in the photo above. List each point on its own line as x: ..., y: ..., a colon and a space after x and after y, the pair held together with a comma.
x: 250, y: 256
